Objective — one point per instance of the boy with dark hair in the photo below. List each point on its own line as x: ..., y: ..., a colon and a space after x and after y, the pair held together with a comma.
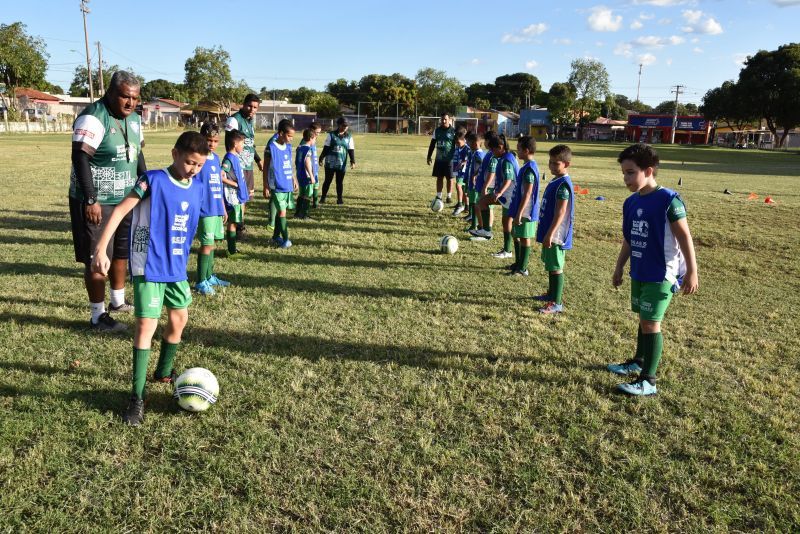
x: 282, y: 124
x: 657, y: 241
x: 524, y: 208
x: 243, y: 121
x: 473, y: 167
x: 234, y: 188
x: 443, y: 141
x: 280, y: 182
x: 484, y: 181
x: 212, y: 214
x: 166, y: 208
x: 501, y: 192
x: 317, y: 129
x: 460, y: 158
x: 556, y: 218
x: 304, y: 163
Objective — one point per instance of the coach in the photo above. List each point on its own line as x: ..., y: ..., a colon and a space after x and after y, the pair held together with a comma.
x: 107, y: 158
x: 244, y: 121
x: 338, y: 146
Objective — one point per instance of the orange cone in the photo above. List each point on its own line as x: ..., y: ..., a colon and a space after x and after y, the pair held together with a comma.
x: 583, y: 191
x: 769, y: 200
x: 752, y: 196
x: 577, y: 188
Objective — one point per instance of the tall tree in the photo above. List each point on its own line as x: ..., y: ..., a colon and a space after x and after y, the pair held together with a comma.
x: 770, y: 84
x: 301, y: 95
x: 481, y: 92
x: 725, y: 104
x: 23, y: 62
x: 325, y: 105
x: 612, y: 110
x: 345, y: 91
x: 160, y: 88
x: 561, y: 105
x: 590, y: 80
x: 514, y: 91
x: 667, y: 107
x: 208, y: 78
x: 438, y: 93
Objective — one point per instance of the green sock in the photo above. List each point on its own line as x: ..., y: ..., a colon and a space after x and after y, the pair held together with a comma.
x: 273, y: 213
x: 298, y: 209
x: 485, y: 220
x: 475, y: 222
x: 202, y: 266
x: 525, y: 257
x: 283, y: 225
x: 140, y: 359
x: 556, y: 287
x: 517, y: 247
x: 508, y: 241
x: 232, y: 242
x: 653, y: 346
x: 639, y: 358
x: 210, y: 266
x: 165, y: 359
x: 315, y: 197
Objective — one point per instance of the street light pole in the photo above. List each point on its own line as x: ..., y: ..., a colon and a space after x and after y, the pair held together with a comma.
x: 85, y: 10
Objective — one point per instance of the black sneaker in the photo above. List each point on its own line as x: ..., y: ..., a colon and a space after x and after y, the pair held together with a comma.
x: 322, y: 200
x: 339, y: 201
x: 512, y: 267
x: 125, y: 307
x: 106, y: 323
x: 134, y: 414
x: 173, y: 376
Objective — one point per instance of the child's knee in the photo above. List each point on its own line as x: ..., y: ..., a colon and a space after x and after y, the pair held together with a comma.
x: 650, y: 327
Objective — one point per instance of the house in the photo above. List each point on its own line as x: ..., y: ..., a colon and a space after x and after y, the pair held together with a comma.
x: 603, y: 129
x: 486, y: 120
x: 655, y: 128
x: 535, y: 122
x: 34, y: 104
x: 71, y: 105
x: 164, y: 110
x: 507, y: 123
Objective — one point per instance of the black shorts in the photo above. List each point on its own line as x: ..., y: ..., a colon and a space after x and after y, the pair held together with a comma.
x: 249, y: 180
x: 85, y: 235
x: 441, y: 168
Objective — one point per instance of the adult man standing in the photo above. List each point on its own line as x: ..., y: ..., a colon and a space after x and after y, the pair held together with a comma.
x: 338, y: 146
x: 107, y: 159
x: 244, y: 121
x: 443, y: 141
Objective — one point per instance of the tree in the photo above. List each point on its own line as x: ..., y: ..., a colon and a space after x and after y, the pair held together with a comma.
x: 208, y: 78
x: 345, y: 92
x: 325, y: 105
x: 23, y: 61
x: 590, y: 80
x: 516, y: 90
x: 301, y: 95
x: 561, y: 105
x: 482, y: 104
x: 612, y: 110
x: 769, y: 84
x: 480, y: 92
x: 667, y: 107
x: 725, y: 104
x: 160, y: 88
x: 438, y: 93
x: 80, y: 79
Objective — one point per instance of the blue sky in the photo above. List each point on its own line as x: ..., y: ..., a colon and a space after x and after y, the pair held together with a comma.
x: 695, y: 43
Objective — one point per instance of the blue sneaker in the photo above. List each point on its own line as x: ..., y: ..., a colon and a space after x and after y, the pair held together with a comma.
x: 625, y: 368
x: 639, y: 388
x: 277, y: 241
x: 286, y: 244
x: 214, y: 281
x: 204, y: 288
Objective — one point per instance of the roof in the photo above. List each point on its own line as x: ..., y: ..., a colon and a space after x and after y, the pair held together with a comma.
x: 611, y: 122
x: 171, y: 102
x: 507, y: 114
x: 33, y: 94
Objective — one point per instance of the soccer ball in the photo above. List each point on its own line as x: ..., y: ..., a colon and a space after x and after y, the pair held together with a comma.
x: 437, y: 205
x: 196, y: 389
x: 448, y: 245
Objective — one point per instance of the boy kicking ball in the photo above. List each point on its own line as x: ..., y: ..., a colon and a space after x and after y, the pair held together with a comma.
x: 659, y: 245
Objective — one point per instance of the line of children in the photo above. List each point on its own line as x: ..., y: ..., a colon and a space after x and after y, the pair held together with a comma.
x: 234, y: 188
x: 280, y: 182
x: 473, y: 168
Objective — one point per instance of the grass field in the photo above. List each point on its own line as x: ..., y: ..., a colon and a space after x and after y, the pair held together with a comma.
x: 371, y: 384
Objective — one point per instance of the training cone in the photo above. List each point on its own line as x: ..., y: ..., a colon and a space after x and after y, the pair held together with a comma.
x: 599, y: 198
x: 680, y: 180
x: 769, y: 200
x: 752, y: 196
x: 577, y: 188
x: 727, y: 192
x: 583, y: 191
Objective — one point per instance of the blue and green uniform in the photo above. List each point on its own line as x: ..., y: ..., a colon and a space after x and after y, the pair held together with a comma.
x: 304, y: 180
x: 553, y: 258
x: 281, y: 184
x: 528, y: 174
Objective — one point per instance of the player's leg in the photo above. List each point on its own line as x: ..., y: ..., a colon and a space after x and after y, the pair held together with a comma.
x: 316, y: 194
x: 119, y: 267
x: 216, y: 233
x: 327, y: 184
x: 340, y: 186
x: 234, y: 218
x: 554, y: 263
x: 148, y: 297
x: 177, y: 299
x: 439, y: 186
x: 449, y: 189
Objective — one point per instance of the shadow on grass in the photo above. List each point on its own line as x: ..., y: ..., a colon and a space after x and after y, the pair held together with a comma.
x: 42, y: 225
x: 39, y: 268
x: 40, y: 302
x: 11, y: 239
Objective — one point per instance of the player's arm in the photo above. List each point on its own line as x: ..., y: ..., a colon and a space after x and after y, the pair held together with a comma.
x: 622, y: 259
x: 309, y: 167
x: 83, y: 173
x: 558, y: 218
x: 256, y: 157
x: 265, y: 172
x: 326, y: 149
x: 489, y: 183
x: 352, y: 153
x: 141, y: 165
x: 680, y: 229
x: 527, y: 189
x: 508, y: 182
x: 430, y: 150
x: 100, y: 261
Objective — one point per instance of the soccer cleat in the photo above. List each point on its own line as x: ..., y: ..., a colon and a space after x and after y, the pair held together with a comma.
x: 125, y: 307
x: 480, y: 232
x: 552, y: 308
x: 625, y: 368
x: 478, y: 238
x: 286, y: 244
x: 502, y: 254
x: 459, y: 209
x: 134, y: 414
x: 517, y: 272
x: 106, y: 323
x: 544, y: 297
x: 173, y: 376
x: 339, y: 201
x: 204, y: 288
x: 467, y: 217
x: 469, y: 229
x: 448, y: 200
x: 638, y: 388
x: 214, y: 281
x: 276, y: 241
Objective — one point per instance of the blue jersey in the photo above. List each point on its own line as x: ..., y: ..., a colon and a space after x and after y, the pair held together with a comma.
x: 234, y: 195
x: 163, y: 226
x: 315, y: 160
x: 303, y: 152
x: 460, y: 158
x: 563, y: 234
x: 280, y: 168
x: 528, y: 174
x: 655, y: 254
x: 484, y: 172
x: 507, y: 169
x: 209, y: 176
x: 474, y: 164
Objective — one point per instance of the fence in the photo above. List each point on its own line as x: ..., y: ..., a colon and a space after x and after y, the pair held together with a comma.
x: 41, y: 126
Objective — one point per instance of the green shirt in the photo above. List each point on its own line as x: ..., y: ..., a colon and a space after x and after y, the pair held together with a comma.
x: 563, y: 192
x: 248, y: 155
x: 338, y: 145
x: 445, y: 143
x: 676, y: 210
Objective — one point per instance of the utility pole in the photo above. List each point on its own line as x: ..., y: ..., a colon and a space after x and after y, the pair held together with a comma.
x: 677, y: 90
x: 100, y: 70
x: 639, y: 83
x: 85, y: 10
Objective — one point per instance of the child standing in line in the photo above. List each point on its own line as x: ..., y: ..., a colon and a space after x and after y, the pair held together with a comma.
x: 212, y: 214
x: 502, y: 191
x: 280, y: 182
x: 317, y: 129
x: 304, y: 163
x: 555, y: 226
x: 524, y: 208
x: 484, y: 181
x: 460, y: 158
x: 473, y: 165
x: 657, y: 241
x: 166, y: 208
x: 234, y: 187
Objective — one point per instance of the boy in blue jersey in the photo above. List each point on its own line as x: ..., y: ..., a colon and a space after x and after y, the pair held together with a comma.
x: 657, y: 241
x: 458, y: 168
x: 166, y: 208
x: 280, y: 182
x: 524, y: 208
x: 317, y: 129
x: 556, y: 218
x: 484, y: 181
x: 212, y: 214
x: 234, y: 188
x: 306, y: 179
x: 283, y: 123
x: 473, y: 167
x: 501, y: 192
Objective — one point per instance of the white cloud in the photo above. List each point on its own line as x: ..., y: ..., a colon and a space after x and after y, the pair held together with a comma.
x: 699, y: 22
x: 786, y: 3
x: 647, y: 16
x: 739, y: 59
x: 695, y: 40
x: 532, y: 64
x: 599, y: 44
x: 526, y: 34
x: 562, y: 41
x: 647, y: 59
x: 697, y: 50
x: 669, y: 62
x: 603, y: 19
x: 636, y: 25
x: 664, y: 22
x: 475, y: 61
x: 651, y: 41
x: 624, y: 50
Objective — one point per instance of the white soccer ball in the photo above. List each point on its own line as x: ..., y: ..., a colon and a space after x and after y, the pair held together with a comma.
x: 448, y: 245
x: 437, y: 205
x: 196, y: 389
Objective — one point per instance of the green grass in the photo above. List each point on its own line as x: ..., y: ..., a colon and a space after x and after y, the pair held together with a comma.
x: 371, y: 384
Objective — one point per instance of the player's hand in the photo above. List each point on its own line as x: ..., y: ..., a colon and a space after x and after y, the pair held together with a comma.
x: 352, y: 165
x: 690, y: 284
x: 321, y: 160
x: 266, y: 193
x: 547, y: 242
x: 260, y: 165
x: 295, y: 186
x: 518, y: 220
x: 616, y: 278
x: 94, y: 215
x: 100, y: 263
x: 429, y: 161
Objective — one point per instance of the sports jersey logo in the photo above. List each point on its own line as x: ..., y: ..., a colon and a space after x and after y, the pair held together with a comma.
x: 639, y: 212
x: 113, y: 130
x: 184, y: 205
x: 640, y: 228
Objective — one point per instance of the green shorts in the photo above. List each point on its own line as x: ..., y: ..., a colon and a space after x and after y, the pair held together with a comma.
x: 505, y: 212
x: 459, y: 181
x: 235, y: 214
x: 316, y: 184
x: 281, y: 201
x: 526, y: 230
x: 307, y: 191
x: 650, y: 299
x: 209, y: 229
x: 474, y: 196
x: 553, y: 258
x: 149, y: 297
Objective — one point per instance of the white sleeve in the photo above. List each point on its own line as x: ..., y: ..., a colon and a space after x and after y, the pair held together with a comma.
x: 231, y: 124
x: 351, y: 145
x: 328, y: 140
x: 88, y: 130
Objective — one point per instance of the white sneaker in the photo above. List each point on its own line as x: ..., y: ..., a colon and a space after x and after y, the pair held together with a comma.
x: 480, y: 232
x: 458, y: 210
x: 502, y: 255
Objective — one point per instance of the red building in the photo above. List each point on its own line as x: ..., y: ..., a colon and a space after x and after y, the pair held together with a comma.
x: 691, y: 129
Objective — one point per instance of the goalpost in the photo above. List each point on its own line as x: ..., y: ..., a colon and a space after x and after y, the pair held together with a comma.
x: 426, y: 124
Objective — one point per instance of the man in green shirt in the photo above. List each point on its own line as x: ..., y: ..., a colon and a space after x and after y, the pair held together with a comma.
x: 443, y: 140
x: 244, y: 121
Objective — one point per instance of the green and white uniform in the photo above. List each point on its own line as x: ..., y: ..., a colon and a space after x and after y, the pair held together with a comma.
x: 246, y: 126
x: 338, y: 145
